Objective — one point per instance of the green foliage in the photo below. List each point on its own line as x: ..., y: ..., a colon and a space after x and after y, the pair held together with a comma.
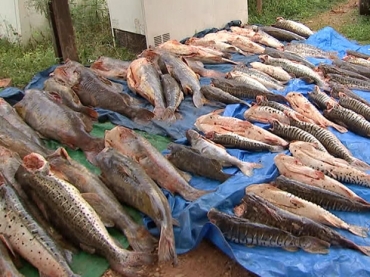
x: 358, y: 29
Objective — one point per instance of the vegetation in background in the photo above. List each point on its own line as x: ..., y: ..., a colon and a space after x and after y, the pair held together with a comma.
x: 358, y: 29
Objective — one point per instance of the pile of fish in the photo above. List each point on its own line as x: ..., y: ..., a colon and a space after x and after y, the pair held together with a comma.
x: 51, y: 205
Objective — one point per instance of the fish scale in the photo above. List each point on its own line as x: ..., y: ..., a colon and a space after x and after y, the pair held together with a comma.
x: 320, y: 98
x: 350, y: 82
x: 240, y: 230
x: 356, y: 123
x: 354, y: 105
x: 294, y: 133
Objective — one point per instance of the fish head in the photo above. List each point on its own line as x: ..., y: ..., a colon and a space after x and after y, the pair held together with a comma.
x: 118, y: 134
x: 67, y: 74
x: 104, y: 156
x: 192, y: 135
x: 295, y: 98
x: 279, y: 19
x: 36, y: 163
x: 257, y: 189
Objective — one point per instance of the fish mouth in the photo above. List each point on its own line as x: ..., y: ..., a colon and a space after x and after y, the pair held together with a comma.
x: 34, y: 162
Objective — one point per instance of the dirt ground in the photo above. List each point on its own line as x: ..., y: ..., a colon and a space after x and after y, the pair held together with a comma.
x: 207, y: 260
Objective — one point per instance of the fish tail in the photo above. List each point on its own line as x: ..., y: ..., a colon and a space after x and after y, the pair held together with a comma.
x: 363, y: 249
x: 339, y: 128
x: 143, y: 116
x: 314, y: 245
x: 360, y: 164
x: 358, y: 230
x: 193, y: 194
x: 123, y: 261
x: 166, y: 247
x: 247, y: 168
x: 276, y: 148
x: 198, y: 99
x: 90, y: 112
x: 169, y: 115
x: 141, y: 240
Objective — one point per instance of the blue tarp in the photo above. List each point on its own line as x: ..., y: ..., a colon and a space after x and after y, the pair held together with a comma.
x: 194, y: 225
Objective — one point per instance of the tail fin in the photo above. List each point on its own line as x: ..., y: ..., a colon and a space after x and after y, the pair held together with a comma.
x: 358, y: 231
x: 363, y: 249
x: 198, y: 99
x: 143, y: 116
x: 169, y: 115
x: 193, y: 194
x: 90, y: 112
x: 314, y: 245
x: 142, y: 240
x: 247, y: 168
x: 276, y: 148
x: 361, y: 165
x: 124, y: 261
x: 339, y: 128
x: 166, y: 247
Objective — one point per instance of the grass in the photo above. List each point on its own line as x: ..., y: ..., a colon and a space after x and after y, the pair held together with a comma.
x: 94, y: 38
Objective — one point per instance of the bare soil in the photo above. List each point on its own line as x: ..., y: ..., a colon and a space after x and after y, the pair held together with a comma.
x: 207, y: 260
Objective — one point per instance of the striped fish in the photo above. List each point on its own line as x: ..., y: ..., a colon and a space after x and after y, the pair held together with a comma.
x: 354, y: 105
x: 320, y: 99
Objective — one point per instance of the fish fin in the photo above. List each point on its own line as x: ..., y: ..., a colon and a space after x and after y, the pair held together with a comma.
x: 87, y: 249
x: 178, y: 116
x: 97, y: 204
x: 93, y: 148
x: 68, y: 255
x: 361, y: 165
x: 364, y: 249
x: 358, y: 231
x: 314, y: 245
x: 8, y: 245
x: 291, y: 248
x: 276, y: 148
x: 59, y: 174
x: 175, y: 222
x: 87, y: 122
x: 143, y: 116
x: 90, y: 112
x: 141, y: 240
x: 169, y: 115
x: 166, y: 246
x: 339, y: 128
x: 187, y: 176
x: 307, y: 80
x: 198, y: 99
x: 247, y: 168
x: 194, y: 194
x: 296, y: 203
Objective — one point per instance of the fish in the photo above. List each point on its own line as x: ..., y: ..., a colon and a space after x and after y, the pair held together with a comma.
x: 293, y: 26
x: 211, y: 92
x: 292, y: 133
x: 307, y: 50
x: 261, y: 77
x: 257, y: 35
x: 349, y: 82
x: 77, y: 217
x: 245, y: 90
x: 302, y: 105
x: 198, y: 68
x: 96, y: 91
x: 336, y: 168
x: 349, y: 119
x: 244, y: 78
x: 320, y: 99
x: 98, y: 195
x: 215, y: 44
x: 276, y: 72
x: 358, y: 68
x: 231, y: 140
x: 265, y: 114
x: 173, y: 96
x: 128, y: 180
x: 257, y: 209
x: 54, y: 121
x: 301, y: 207
x: 331, y: 69
x: 189, y: 160
x: 356, y: 60
x: 322, y: 197
x: 337, y: 88
x: 8, y: 113
x: 128, y: 143
x: 25, y: 236
x: 143, y: 79
x: 181, y: 72
x: 293, y: 168
x: 240, y: 230
x: 357, y: 54
x: 281, y: 34
x: 211, y: 150
x: 296, y: 69
x: 110, y: 68
x: 288, y: 56
x: 7, y: 267
x: 354, y: 105
x: 263, y: 101
x: 15, y: 140
x: 68, y: 97
x: 332, y: 144
x: 222, y: 124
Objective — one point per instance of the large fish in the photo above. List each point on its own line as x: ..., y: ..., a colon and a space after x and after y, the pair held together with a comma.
x: 77, y: 217
x: 9, y: 114
x: 307, y: 50
x: 198, y: 68
x: 214, y: 151
x: 127, y: 142
x: 25, y: 236
x: 257, y: 35
x: 276, y: 72
x: 187, y: 159
x: 68, y: 97
x: 292, y: 168
x: 337, y: 89
x: 320, y: 99
x: 173, y: 95
x: 215, y: 44
x: 332, y: 144
x: 110, y: 67
x: 133, y: 186
x: 96, y: 91
x: 360, y: 69
x: 143, y: 78
x: 216, y: 94
x: 289, y: 56
x: 341, y: 170
x: 302, y: 105
x: 355, y: 105
x: 281, y: 34
x: 104, y: 202
x: 356, y: 60
x: 302, y: 207
x: 331, y: 69
x: 241, y: 230
x: 55, y: 121
x: 350, y: 82
x: 257, y: 209
x: 265, y: 114
x: 293, y: 26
